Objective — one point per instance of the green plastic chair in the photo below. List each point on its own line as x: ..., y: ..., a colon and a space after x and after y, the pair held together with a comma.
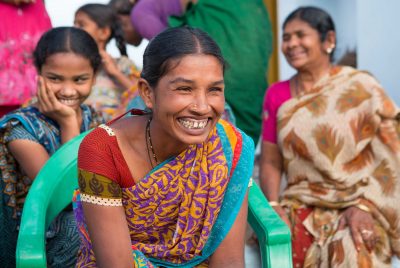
x: 52, y: 191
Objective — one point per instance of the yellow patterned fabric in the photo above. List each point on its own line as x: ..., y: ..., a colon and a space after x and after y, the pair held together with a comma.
x: 341, y: 146
x: 99, y: 186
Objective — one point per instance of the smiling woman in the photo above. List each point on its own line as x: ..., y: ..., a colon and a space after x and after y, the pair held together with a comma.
x: 335, y: 134
x: 163, y: 178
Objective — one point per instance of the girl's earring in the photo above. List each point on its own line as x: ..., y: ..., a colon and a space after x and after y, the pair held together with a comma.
x: 330, y: 49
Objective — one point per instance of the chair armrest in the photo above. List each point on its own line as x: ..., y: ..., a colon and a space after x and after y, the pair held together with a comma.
x: 31, y: 251
x: 50, y: 192
x: 272, y: 233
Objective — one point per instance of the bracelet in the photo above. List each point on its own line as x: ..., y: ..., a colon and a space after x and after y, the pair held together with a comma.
x: 363, y: 207
x: 274, y: 203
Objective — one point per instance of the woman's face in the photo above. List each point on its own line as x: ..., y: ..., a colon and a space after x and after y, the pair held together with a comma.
x: 69, y: 76
x: 302, y: 46
x: 189, y: 99
x: 131, y: 35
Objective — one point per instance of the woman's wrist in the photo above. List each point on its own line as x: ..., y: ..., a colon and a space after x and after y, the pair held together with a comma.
x: 274, y: 203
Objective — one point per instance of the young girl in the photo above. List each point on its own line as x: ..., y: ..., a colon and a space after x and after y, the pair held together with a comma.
x: 115, y: 75
x: 67, y: 60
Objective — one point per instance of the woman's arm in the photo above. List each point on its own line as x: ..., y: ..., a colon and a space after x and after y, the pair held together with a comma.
x: 113, y: 70
x: 230, y: 253
x: 108, y: 231
x: 270, y: 170
x: 270, y: 175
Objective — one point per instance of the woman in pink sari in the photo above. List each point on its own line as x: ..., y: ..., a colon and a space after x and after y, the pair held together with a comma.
x: 22, y: 24
x: 335, y: 135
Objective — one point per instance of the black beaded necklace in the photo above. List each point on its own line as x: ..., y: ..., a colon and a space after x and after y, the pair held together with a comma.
x: 149, y: 143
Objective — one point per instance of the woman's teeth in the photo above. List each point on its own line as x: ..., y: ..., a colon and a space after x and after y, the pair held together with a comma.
x: 194, y: 124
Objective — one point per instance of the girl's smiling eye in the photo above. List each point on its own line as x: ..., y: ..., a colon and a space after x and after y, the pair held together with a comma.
x: 81, y: 79
x: 54, y: 79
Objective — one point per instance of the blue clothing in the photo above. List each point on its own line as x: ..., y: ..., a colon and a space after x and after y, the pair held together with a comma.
x: 28, y: 123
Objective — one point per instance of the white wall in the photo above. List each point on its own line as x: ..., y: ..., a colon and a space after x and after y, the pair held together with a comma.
x: 62, y: 12
x: 378, y: 42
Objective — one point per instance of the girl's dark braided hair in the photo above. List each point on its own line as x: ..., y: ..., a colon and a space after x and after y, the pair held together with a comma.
x: 104, y: 16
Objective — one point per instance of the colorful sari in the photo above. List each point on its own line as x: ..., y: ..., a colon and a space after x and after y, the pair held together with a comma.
x: 341, y: 147
x: 107, y: 94
x: 182, y: 210
x: 14, y: 184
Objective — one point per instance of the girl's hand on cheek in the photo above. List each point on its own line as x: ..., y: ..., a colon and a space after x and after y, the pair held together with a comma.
x: 49, y: 105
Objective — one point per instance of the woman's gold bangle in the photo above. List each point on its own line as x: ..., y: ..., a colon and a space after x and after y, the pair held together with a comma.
x: 363, y: 207
x: 274, y: 203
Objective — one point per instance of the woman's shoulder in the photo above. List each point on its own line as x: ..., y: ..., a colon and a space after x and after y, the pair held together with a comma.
x: 278, y: 89
x: 235, y: 136
x: 102, y: 134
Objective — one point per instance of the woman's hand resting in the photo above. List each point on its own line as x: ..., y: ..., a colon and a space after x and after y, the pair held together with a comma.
x: 361, y: 225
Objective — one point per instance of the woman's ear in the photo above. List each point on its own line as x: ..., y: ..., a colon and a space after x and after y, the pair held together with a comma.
x: 146, y: 92
x: 330, y: 41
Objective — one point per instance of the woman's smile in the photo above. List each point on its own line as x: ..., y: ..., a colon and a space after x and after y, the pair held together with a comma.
x: 191, y: 123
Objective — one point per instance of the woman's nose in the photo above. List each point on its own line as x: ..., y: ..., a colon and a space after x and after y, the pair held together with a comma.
x: 200, y: 104
x: 293, y: 41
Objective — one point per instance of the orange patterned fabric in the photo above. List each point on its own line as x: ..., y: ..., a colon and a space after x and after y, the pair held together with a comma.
x: 341, y: 146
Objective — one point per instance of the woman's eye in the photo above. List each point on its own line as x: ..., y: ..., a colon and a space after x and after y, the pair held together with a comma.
x: 286, y: 38
x: 301, y: 34
x: 216, y: 89
x: 184, y: 88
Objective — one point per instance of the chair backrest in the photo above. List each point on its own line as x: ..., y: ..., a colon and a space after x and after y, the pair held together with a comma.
x: 49, y: 194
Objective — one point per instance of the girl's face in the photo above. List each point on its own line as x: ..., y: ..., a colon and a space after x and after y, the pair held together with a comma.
x: 84, y: 22
x: 69, y: 76
x: 302, y: 46
x: 188, y: 100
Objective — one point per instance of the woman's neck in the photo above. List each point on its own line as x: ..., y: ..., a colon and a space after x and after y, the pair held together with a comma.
x: 306, y: 78
x: 164, y: 148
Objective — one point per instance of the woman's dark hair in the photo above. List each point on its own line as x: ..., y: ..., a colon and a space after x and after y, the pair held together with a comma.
x: 104, y: 17
x: 122, y: 7
x: 64, y: 40
x: 317, y: 18
x: 173, y: 44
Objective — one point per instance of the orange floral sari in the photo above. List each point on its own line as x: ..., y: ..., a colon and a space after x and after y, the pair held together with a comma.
x: 341, y: 147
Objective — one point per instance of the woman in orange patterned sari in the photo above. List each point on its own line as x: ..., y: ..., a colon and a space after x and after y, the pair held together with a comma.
x: 167, y: 188
x: 337, y: 141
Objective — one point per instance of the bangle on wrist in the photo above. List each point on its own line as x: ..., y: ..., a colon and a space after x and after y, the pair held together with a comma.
x: 363, y: 207
x: 274, y: 203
